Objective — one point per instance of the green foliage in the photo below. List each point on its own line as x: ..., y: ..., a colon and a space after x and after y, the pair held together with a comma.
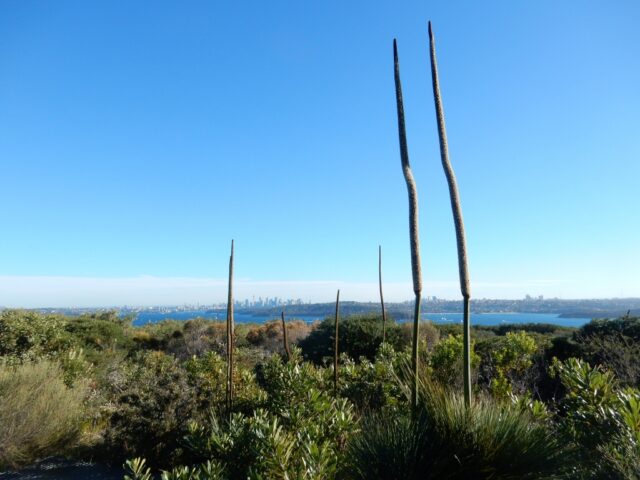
x: 158, y: 392
x: 261, y: 447
x: 104, y: 332
x: 40, y: 415
x: 511, y: 360
x: 525, y: 403
x: 360, y: 336
x: 297, y: 392
x: 488, y: 440
x: 137, y: 469
x: 208, y: 376
x: 541, y: 328
x: 603, y: 419
x: 614, y: 344
x: 627, y: 326
x: 299, y: 434
x: 27, y: 335
x: 152, y: 400
x: 445, y: 361
x: 372, y: 386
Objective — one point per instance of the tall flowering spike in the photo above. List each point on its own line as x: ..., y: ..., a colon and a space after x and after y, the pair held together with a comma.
x: 230, y: 334
x: 285, y: 337
x: 335, y: 345
x: 413, y: 224
x: 384, y: 314
x: 458, y: 221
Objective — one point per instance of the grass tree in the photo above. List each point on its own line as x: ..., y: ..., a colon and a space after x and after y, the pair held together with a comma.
x: 384, y: 314
x: 230, y: 334
x: 335, y: 344
x: 457, y: 219
x: 413, y: 223
x: 285, y: 337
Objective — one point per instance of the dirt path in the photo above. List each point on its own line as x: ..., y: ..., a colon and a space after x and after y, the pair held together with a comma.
x: 60, y: 469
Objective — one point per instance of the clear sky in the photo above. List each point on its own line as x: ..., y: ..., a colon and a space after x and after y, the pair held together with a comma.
x: 138, y: 138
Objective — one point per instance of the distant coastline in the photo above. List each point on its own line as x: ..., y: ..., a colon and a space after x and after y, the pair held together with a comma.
x: 535, y: 309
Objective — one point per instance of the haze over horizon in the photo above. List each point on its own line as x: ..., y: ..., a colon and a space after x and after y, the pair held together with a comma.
x: 67, y: 292
x: 136, y: 142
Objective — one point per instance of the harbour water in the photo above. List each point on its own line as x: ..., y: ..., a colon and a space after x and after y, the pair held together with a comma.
x: 476, y: 318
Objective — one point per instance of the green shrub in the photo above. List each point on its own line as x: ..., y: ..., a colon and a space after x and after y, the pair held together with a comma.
x: 360, y: 336
x: 207, y: 375
x: 614, y: 344
x: 627, y: 326
x: 601, y: 418
x: 137, y: 469
x: 152, y: 403
x: 372, y: 386
x: 27, y: 335
x: 489, y: 440
x: 98, y: 333
x: 511, y: 361
x: 445, y: 361
x: 39, y: 414
x: 300, y: 433
x: 261, y: 447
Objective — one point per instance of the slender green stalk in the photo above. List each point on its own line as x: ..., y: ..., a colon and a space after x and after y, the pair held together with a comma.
x: 285, y: 337
x: 413, y: 224
x: 230, y: 334
x: 384, y: 314
x: 335, y: 345
x: 457, y: 219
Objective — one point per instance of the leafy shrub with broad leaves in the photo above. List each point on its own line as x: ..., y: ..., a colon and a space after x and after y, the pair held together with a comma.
x: 372, y: 386
x: 299, y: 434
x: 207, y: 375
x: 601, y: 418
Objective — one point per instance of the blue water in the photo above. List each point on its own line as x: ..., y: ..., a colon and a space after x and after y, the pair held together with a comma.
x: 476, y: 318
x: 504, y: 318
x: 153, y: 317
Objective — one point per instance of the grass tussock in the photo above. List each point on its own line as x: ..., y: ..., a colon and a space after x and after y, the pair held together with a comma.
x: 39, y: 414
x: 448, y: 440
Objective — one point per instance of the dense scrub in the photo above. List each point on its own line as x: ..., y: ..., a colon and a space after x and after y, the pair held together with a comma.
x: 550, y: 402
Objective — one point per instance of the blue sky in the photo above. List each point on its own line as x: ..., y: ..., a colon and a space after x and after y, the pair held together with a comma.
x: 138, y: 138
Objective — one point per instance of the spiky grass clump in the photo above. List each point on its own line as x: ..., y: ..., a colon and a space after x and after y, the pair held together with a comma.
x: 449, y: 440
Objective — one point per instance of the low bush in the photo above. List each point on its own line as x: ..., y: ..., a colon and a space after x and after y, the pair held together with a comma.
x: 27, y: 335
x: 446, y: 439
x: 39, y: 414
x: 151, y: 403
x: 601, y: 418
x: 360, y: 336
x: 614, y: 344
x: 445, y: 361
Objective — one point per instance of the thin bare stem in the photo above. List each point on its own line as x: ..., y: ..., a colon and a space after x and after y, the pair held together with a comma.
x: 384, y: 314
x: 456, y: 209
x: 285, y: 337
x: 230, y: 334
x: 413, y: 224
x: 335, y: 345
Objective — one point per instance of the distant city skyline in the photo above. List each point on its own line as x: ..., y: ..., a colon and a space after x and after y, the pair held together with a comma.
x: 97, y: 292
x: 136, y: 142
